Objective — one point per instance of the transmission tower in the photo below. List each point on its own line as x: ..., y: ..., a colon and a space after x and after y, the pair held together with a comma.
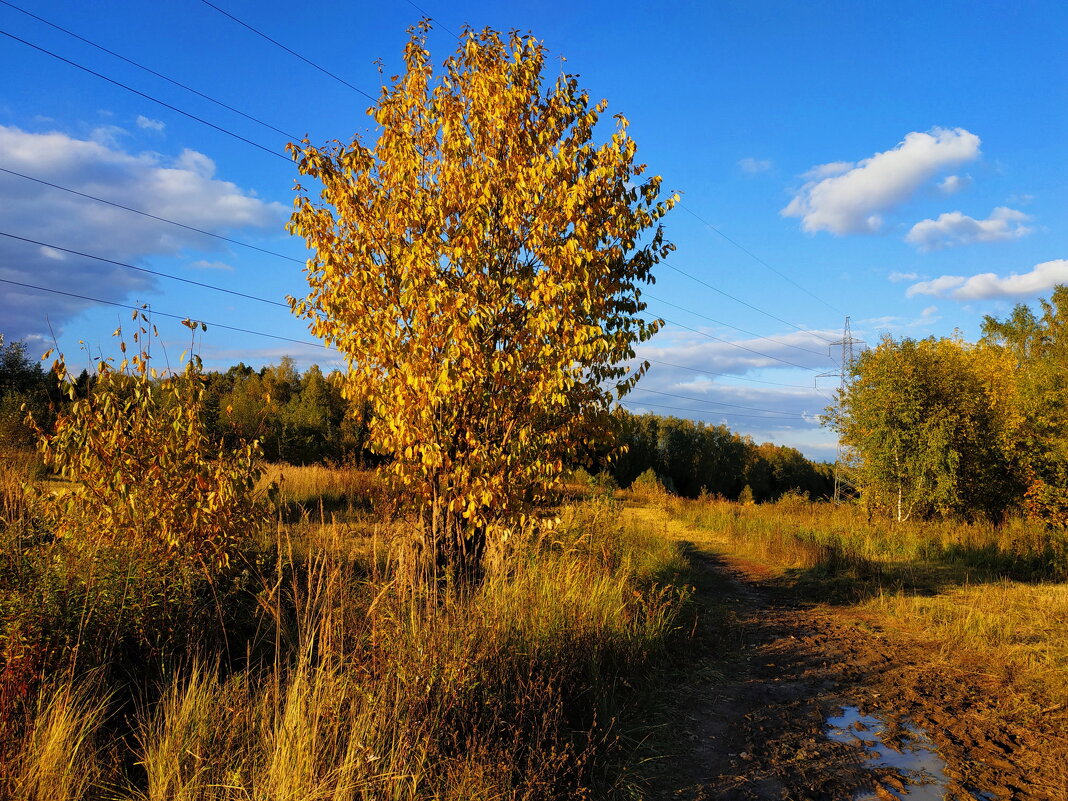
x: 842, y: 479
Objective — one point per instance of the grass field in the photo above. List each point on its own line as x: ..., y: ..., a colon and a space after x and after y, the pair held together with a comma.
x: 313, y: 669
x: 975, y: 592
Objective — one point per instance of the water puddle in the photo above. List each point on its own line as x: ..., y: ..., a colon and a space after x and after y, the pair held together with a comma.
x: 901, y: 749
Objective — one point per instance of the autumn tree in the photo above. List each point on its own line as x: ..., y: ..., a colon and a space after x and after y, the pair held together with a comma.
x: 933, y: 423
x: 1039, y: 359
x: 479, y: 266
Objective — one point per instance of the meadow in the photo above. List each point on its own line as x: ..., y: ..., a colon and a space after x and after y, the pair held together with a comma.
x: 314, y: 668
x: 317, y: 667
x: 969, y: 591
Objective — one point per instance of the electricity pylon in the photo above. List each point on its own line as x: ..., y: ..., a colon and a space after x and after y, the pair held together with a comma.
x: 842, y: 479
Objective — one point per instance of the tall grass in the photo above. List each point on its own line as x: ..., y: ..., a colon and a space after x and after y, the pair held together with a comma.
x: 993, y: 597
x: 58, y: 758
x: 315, y: 670
x: 797, y: 533
x: 311, y: 488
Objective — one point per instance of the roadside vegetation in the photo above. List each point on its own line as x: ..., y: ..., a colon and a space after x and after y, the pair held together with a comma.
x: 973, y: 593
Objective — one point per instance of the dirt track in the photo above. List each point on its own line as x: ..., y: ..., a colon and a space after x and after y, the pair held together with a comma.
x: 747, y: 716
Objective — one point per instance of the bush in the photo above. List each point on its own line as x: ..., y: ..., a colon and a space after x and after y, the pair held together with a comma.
x: 144, y: 471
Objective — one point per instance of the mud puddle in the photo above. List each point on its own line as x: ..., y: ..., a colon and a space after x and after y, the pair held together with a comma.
x: 903, y: 758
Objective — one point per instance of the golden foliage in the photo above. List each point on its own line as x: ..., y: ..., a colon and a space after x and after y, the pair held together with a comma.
x: 479, y: 268
x: 143, y: 470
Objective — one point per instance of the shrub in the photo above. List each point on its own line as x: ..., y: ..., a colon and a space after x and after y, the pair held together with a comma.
x: 144, y: 471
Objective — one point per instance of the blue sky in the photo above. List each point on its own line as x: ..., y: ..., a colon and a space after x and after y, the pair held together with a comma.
x: 903, y: 164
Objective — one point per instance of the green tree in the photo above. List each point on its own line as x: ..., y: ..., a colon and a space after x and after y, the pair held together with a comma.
x: 1039, y: 349
x: 479, y: 267
x: 932, y: 422
x: 22, y: 384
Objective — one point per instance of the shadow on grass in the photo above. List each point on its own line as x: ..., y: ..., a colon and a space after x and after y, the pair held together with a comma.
x: 840, y: 577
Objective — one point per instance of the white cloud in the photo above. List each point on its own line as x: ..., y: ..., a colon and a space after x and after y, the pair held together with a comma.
x: 953, y: 228
x: 952, y: 184
x: 742, y: 356
x: 1042, y: 278
x: 783, y: 410
x: 897, y: 277
x: 821, y: 171
x: 752, y: 165
x: 892, y: 322
x: 150, y: 124
x: 108, y: 135
x: 203, y: 264
x: 183, y: 191
x: 843, y: 198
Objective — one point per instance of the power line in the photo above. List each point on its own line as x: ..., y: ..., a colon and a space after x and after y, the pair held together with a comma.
x: 425, y: 14
x: 162, y: 314
x: 151, y: 71
x: 756, y: 258
x: 717, y: 403
x: 291, y: 52
x: 728, y: 325
x: 151, y: 216
x: 715, y: 230
x: 744, y: 303
x: 735, y: 344
x: 201, y: 120
x: 145, y: 270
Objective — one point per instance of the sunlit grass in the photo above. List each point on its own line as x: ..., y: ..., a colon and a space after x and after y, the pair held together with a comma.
x: 340, y: 677
x: 970, y: 592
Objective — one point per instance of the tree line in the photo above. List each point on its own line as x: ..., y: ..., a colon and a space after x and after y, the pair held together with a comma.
x: 303, y: 418
x: 948, y: 428
x: 299, y: 418
x: 693, y: 458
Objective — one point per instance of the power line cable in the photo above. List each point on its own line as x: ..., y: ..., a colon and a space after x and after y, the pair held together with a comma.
x: 756, y: 258
x: 151, y: 216
x: 163, y: 314
x: 728, y: 325
x: 425, y: 14
x: 151, y: 71
x: 201, y: 120
x: 291, y: 52
x: 145, y: 270
x: 744, y: 303
x: 712, y: 228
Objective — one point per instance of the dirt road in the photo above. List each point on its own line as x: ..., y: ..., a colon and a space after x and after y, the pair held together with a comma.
x: 750, y: 713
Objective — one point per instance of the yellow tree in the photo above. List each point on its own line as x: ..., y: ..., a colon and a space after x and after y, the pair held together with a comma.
x: 479, y: 266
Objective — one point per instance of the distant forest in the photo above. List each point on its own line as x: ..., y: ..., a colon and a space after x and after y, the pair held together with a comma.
x: 302, y: 418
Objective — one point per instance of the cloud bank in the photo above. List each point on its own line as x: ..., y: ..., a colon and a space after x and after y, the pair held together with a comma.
x: 1042, y: 278
x: 953, y: 229
x: 847, y: 198
x: 182, y: 189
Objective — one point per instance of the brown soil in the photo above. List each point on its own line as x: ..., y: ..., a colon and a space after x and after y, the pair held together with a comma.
x: 746, y: 714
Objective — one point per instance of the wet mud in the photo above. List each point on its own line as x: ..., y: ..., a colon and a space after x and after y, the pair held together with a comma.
x: 781, y: 699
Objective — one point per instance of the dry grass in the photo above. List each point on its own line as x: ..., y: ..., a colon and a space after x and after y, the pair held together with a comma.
x: 312, y: 485
x: 975, y: 592
x: 1014, y: 627
x: 58, y: 760
x: 357, y: 685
